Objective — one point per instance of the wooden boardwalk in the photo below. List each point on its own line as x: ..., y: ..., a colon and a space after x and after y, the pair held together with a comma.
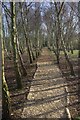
x: 47, y: 97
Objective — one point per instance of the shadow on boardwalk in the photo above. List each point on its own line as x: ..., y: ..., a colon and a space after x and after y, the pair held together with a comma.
x: 47, y: 97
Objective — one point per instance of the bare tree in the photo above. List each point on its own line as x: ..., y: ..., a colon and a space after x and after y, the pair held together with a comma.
x: 5, y: 91
x: 79, y: 53
x: 14, y: 45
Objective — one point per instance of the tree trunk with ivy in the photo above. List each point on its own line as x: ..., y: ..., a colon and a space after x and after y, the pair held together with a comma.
x: 24, y: 72
x: 79, y: 55
x: 5, y: 91
x: 14, y: 46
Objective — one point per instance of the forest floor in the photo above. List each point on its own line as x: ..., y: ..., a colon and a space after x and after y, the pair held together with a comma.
x: 72, y: 83
x: 18, y: 97
x: 49, y: 92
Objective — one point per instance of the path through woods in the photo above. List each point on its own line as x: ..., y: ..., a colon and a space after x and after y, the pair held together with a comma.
x: 47, y: 97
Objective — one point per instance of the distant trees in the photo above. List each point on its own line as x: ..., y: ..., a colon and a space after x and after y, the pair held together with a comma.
x: 37, y: 23
x: 61, y: 24
x: 52, y: 18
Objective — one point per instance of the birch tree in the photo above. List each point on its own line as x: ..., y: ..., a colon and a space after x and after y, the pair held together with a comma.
x: 5, y: 91
x: 14, y: 45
